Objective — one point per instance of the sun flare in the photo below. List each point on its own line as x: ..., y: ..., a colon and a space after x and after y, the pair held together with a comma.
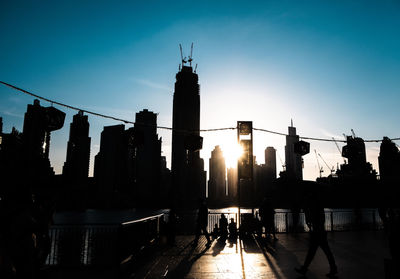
x: 232, y: 151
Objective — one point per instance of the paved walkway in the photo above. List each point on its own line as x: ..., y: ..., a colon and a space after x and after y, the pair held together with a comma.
x: 358, y: 255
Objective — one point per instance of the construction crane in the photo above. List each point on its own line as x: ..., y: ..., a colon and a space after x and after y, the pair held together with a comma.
x: 182, y: 58
x: 331, y: 169
x: 283, y: 165
x: 191, y: 56
x: 319, y: 167
x: 340, y: 151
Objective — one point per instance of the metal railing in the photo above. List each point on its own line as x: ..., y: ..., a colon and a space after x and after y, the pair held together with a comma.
x: 335, y: 220
x: 75, y: 245
x: 107, y: 245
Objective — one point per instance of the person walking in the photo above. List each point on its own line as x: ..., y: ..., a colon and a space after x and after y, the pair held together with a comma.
x: 202, y: 223
x: 232, y: 229
x: 267, y: 214
x: 223, y: 226
x: 315, y: 219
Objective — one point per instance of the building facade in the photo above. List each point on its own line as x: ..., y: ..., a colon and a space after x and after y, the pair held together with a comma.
x: 76, y: 166
x: 270, y: 161
x: 147, y: 160
x: 217, y: 179
x: 114, y: 167
x: 293, y: 161
x: 187, y: 168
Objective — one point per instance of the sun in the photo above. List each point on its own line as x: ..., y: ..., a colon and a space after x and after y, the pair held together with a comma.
x: 232, y: 151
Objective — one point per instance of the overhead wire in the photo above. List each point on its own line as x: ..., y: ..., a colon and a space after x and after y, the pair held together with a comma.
x: 170, y: 128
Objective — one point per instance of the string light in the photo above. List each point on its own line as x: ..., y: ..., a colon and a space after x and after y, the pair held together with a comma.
x: 169, y: 128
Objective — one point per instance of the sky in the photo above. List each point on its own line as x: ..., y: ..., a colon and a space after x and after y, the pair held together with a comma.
x: 331, y: 66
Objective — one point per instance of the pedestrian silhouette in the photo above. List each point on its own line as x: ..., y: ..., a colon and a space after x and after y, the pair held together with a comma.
x: 171, y: 226
x: 215, y: 232
x: 295, y: 217
x: 315, y: 219
x: 232, y: 229
x: 202, y: 223
x: 267, y: 214
x: 223, y: 226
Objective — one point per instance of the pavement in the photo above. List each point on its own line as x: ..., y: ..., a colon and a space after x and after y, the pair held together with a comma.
x: 358, y: 254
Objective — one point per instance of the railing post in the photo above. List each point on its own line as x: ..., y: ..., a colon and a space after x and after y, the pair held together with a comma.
x: 332, y: 229
x: 374, y: 219
x: 286, y: 223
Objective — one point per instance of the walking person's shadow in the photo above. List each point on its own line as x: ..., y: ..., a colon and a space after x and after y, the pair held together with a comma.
x: 187, y: 262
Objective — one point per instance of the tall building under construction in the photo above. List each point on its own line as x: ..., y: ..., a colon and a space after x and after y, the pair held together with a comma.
x: 188, y: 175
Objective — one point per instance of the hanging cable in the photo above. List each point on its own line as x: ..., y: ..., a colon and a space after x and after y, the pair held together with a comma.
x: 107, y: 116
x: 169, y: 128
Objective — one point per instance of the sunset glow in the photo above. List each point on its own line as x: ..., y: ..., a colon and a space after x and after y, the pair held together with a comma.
x: 232, y: 151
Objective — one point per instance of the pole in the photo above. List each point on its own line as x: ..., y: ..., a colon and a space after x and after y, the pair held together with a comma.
x: 238, y: 176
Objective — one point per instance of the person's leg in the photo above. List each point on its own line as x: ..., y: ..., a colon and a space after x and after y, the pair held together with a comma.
x: 198, y: 231
x: 312, y: 249
x: 325, y: 247
x: 206, y: 233
x: 273, y: 227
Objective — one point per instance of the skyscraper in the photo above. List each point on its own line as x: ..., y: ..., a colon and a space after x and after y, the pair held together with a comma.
x: 217, y: 180
x: 188, y: 176
x: 232, y: 180
x: 148, y: 160
x: 76, y: 166
x: 294, y: 163
x: 114, y: 167
x: 39, y: 122
x: 270, y: 161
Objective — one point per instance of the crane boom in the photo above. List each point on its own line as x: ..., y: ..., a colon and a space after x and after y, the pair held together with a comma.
x: 319, y: 167
x: 191, y: 56
x: 183, y: 59
x: 280, y: 159
x: 337, y: 145
x: 331, y: 169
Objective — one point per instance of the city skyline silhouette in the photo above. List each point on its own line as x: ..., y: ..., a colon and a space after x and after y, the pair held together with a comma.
x: 278, y: 62
x: 224, y: 139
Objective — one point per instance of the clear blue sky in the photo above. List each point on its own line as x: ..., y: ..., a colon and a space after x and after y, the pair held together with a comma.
x: 329, y: 65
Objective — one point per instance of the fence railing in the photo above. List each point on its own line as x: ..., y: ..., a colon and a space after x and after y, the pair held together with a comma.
x: 335, y: 220
x: 75, y: 245
x: 108, y: 245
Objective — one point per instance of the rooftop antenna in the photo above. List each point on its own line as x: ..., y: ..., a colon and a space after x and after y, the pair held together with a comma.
x: 195, y: 68
x: 191, y: 56
x: 354, y: 134
x: 291, y: 122
x: 182, y: 58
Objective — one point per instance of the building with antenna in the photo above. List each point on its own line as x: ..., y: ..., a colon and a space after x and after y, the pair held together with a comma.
x: 187, y: 168
x: 293, y: 160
